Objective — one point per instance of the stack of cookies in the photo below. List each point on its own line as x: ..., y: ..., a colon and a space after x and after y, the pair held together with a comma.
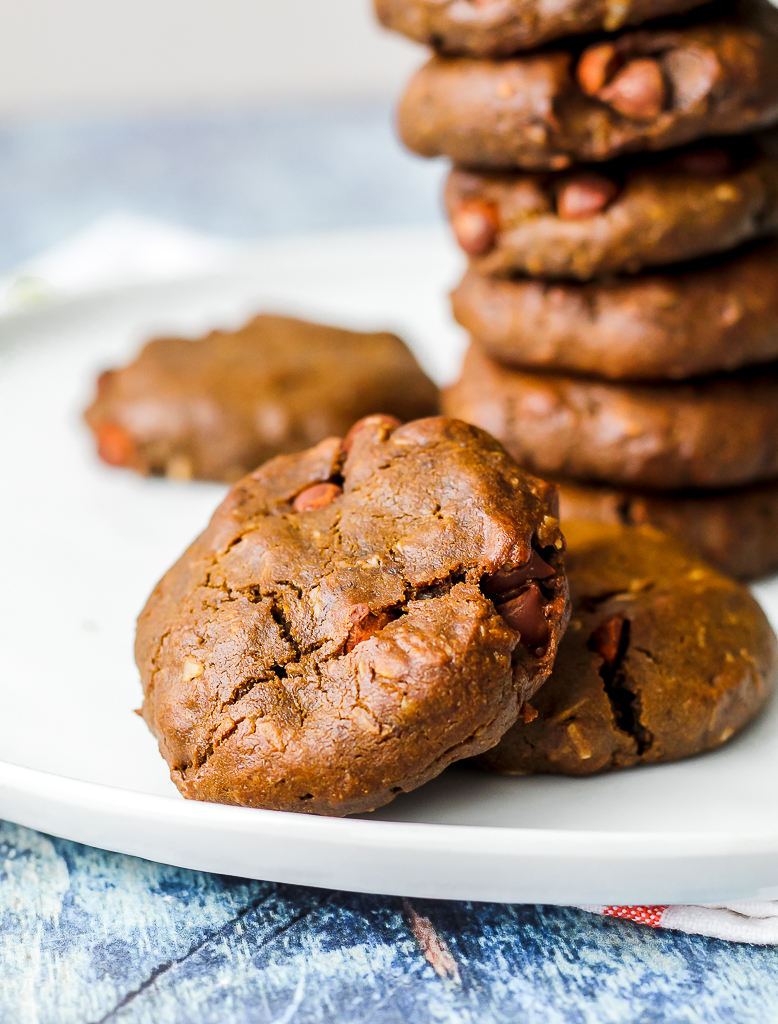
x: 616, y: 191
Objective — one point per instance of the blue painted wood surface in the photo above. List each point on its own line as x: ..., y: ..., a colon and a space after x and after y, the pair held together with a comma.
x: 88, y: 936
x: 245, y: 174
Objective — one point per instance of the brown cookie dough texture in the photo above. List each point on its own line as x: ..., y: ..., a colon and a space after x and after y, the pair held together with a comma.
x: 646, y: 90
x: 664, y: 658
x: 583, y: 223
x: 494, y: 28
x: 354, y: 618
x: 215, y: 408
x: 701, y: 319
x: 715, y: 433
x: 734, y: 531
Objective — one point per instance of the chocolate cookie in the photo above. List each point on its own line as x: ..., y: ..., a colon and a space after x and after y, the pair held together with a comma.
x: 501, y: 27
x: 717, y: 433
x: 702, y: 318
x: 354, y: 618
x: 664, y: 658
x: 645, y: 90
x: 215, y: 408
x: 582, y: 223
x: 735, y: 531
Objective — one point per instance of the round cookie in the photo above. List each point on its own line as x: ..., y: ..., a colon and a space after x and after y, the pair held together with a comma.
x: 734, y: 531
x: 700, y: 319
x: 584, y: 223
x: 663, y: 658
x: 354, y: 618
x: 215, y: 408
x: 714, y: 433
x: 499, y: 27
x: 646, y: 90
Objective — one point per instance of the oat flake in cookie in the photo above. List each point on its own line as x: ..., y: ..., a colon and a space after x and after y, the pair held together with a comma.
x: 215, y: 408
x: 355, y: 618
x: 663, y: 658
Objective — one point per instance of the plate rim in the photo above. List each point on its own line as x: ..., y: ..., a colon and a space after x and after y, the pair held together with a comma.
x: 398, y: 858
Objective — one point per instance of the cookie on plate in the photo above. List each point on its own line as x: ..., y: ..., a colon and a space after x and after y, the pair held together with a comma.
x: 699, y: 319
x: 215, y: 408
x: 715, y: 433
x: 618, y: 219
x: 663, y: 658
x: 354, y: 618
x: 504, y: 26
x: 646, y: 90
x: 735, y: 531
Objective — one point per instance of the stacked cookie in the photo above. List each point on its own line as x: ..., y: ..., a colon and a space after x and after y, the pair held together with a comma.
x: 617, y: 196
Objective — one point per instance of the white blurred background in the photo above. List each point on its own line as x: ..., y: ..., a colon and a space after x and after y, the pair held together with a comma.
x: 240, y: 119
x: 120, y: 56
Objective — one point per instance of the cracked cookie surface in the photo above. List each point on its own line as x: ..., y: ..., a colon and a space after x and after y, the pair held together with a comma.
x: 664, y: 436
x: 620, y: 217
x: 353, y: 619
x: 663, y: 658
x: 658, y: 87
x: 216, y: 407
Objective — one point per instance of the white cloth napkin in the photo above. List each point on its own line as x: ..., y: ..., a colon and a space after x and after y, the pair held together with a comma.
x: 122, y: 249
x: 748, y: 921
x: 117, y: 249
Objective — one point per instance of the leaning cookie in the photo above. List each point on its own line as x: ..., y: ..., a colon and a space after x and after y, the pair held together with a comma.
x: 499, y: 28
x: 701, y: 318
x: 735, y: 531
x: 354, y: 618
x: 714, y: 433
x: 646, y: 90
x: 216, y: 407
x: 584, y: 223
x: 663, y: 658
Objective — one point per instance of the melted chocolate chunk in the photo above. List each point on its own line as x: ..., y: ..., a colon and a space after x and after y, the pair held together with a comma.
x: 525, y: 614
x: 504, y: 580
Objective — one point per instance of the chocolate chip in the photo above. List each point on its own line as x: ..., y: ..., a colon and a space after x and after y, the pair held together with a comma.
x: 364, y: 624
x: 475, y: 227
x: 637, y: 91
x: 390, y: 423
x: 693, y: 72
x: 115, y: 445
x: 316, y: 496
x: 597, y: 66
x: 585, y: 195
x: 607, y: 638
x: 525, y: 614
x: 503, y: 580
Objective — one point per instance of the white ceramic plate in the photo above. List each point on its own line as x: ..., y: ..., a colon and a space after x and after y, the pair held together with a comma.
x: 83, y: 545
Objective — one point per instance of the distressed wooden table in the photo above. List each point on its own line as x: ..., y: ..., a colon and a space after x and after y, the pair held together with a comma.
x: 88, y: 936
